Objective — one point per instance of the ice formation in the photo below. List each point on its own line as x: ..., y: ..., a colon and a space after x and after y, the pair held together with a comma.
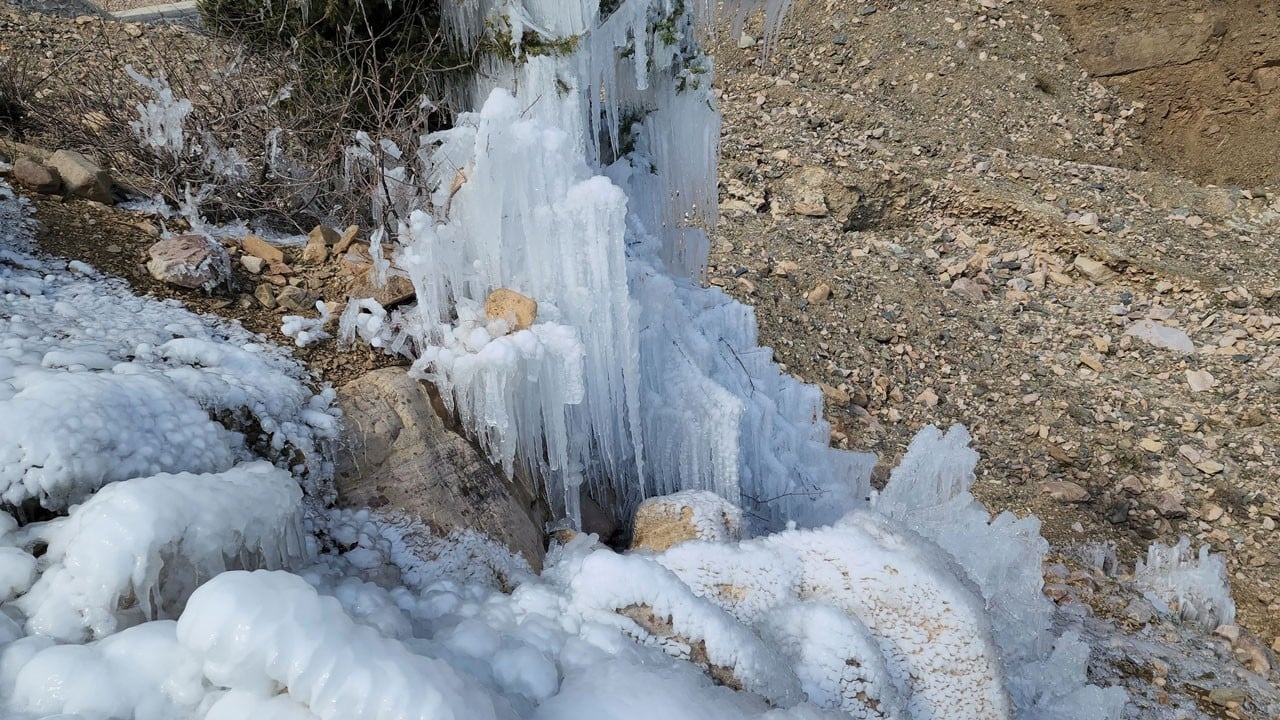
x: 568, y: 185
x: 1190, y: 587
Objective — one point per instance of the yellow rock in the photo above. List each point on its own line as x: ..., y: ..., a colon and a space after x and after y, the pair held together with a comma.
x: 517, y: 309
x: 260, y: 248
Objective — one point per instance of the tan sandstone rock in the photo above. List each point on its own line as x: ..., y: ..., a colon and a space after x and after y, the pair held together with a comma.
x: 81, y: 176
x: 33, y: 175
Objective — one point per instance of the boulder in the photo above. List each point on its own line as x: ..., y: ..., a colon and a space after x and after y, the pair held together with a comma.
x: 82, y: 176
x: 517, y: 309
x: 190, y: 261
x: 397, y: 455
x: 36, y: 176
x: 662, y: 522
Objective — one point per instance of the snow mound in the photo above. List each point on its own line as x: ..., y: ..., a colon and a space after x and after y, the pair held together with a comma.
x: 268, y: 632
x: 154, y: 540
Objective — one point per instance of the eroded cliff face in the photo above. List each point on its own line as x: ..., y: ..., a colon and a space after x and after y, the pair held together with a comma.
x: 1208, y: 73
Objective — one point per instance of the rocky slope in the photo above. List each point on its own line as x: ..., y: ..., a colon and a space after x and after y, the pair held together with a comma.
x: 941, y: 217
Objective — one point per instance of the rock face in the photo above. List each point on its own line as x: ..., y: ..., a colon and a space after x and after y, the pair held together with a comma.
x: 397, y: 455
x: 36, y: 176
x: 190, y: 261
x: 663, y: 522
x: 82, y: 176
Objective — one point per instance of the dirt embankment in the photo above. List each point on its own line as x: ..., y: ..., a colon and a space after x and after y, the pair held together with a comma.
x: 1208, y: 73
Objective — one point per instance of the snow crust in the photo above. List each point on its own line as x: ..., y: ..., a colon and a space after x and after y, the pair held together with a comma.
x: 188, y: 527
x: 98, y: 385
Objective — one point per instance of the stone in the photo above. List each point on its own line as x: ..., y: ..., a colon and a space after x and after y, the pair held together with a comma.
x: 1266, y: 78
x: 784, y: 269
x: 666, y: 521
x: 1225, y: 696
x: 968, y: 289
x: 746, y: 41
x: 348, y: 237
x: 807, y: 187
x: 819, y: 294
x: 1096, y: 271
x: 397, y: 455
x: 1211, y: 512
x: 253, y: 264
x: 37, y: 177
x: 1210, y: 467
x: 1170, y: 506
x: 189, y: 261
x: 260, y: 248
x: 297, y: 299
x: 316, y: 250
x: 324, y: 234
x: 81, y: 176
x: 265, y: 295
x: 1065, y: 491
x: 1200, y: 380
x: 517, y: 309
x: 397, y: 290
x: 835, y: 394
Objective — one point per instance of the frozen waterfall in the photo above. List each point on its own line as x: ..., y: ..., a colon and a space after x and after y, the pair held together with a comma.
x: 585, y: 180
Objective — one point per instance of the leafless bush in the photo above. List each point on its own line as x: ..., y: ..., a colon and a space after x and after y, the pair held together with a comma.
x: 263, y: 139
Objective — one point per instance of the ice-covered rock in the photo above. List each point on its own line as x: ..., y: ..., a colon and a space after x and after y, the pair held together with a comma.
x: 396, y: 452
x: 668, y: 520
